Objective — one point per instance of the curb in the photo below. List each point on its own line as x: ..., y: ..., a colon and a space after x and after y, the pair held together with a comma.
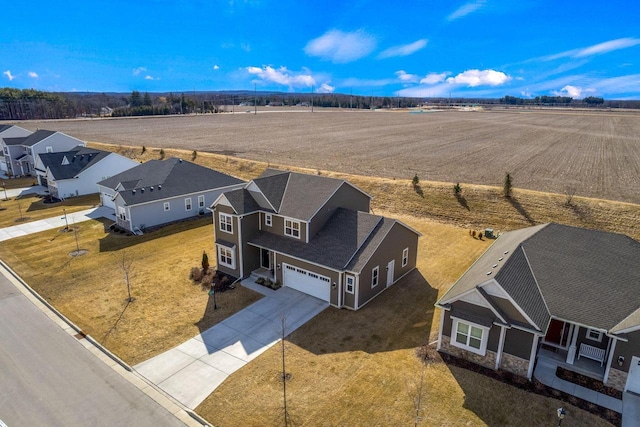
x: 144, y: 385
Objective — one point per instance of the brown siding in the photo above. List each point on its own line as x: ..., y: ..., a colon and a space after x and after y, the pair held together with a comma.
x: 627, y: 350
x: 277, y: 227
x: 494, y: 338
x: 251, y: 254
x: 227, y: 237
x: 349, y: 300
x: 398, y: 238
x: 345, y: 197
x: 333, y: 275
x: 582, y: 338
x: 518, y: 343
x: 448, y: 324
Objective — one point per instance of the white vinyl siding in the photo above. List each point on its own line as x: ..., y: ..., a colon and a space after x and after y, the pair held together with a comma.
x: 122, y: 213
x: 226, y: 223
x: 187, y: 204
x: 405, y: 257
x: 469, y: 336
x: 292, y: 228
x: 375, y: 276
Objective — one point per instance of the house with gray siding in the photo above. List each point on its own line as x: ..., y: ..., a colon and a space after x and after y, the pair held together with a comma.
x: 567, y: 294
x: 314, y: 234
x: 22, y: 151
x: 8, y: 151
x: 162, y: 191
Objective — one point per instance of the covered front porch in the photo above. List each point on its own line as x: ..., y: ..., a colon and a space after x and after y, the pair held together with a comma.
x: 266, y: 269
x: 577, y: 348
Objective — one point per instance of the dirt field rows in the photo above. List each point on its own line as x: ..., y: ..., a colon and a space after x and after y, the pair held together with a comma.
x: 596, y: 153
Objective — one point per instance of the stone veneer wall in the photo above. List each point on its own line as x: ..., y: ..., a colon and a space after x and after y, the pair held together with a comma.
x: 514, y: 364
x: 617, y: 379
x: 488, y: 361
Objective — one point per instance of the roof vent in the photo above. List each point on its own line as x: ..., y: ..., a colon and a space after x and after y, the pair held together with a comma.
x: 495, y: 265
x: 488, y: 273
x: 151, y: 188
x: 500, y: 259
x: 159, y: 186
x: 180, y: 160
x: 506, y: 252
x: 134, y: 191
x: 142, y: 190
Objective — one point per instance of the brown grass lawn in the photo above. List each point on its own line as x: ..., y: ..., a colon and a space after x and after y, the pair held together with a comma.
x: 359, y: 368
x: 91, y: 290
x: 34, y: 208
x: 23, y: 182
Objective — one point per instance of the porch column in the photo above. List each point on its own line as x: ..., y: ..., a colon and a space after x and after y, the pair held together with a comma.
x: 612, y: 350
x: 571, y: 354
x: 440, y: 329
x: 532, y: 358
x: 503, y: 331
x: 275, y: 268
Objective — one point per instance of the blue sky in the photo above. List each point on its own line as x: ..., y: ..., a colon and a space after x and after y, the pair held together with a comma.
x: 476, y: 48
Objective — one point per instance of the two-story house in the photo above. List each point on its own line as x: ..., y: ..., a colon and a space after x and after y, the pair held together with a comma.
x: 23, y: 151
x: 314, y: 234
x: 10, y: 151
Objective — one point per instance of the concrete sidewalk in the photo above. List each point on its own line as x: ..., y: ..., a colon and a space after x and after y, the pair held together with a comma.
x: 193, y: 370
x: 55, y: 222
x: 15, y: 192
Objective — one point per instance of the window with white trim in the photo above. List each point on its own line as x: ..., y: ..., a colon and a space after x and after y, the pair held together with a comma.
x: 375, y: 273
x: 350, y: 282
x: 201, y: 201
x: 122, y: 213
x: 292, y: 228
x: 167, y: 206
x: 469, y: 336
x: 268, y: 220
x: 187, y: 204
x: 226, y: 223
x: 226, y: 257
x: 594, y: 335
x: 405, y: 257
x: 49, y: 149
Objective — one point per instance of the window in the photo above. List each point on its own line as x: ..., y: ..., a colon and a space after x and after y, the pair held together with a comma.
x: 122, y: 213
x: 187, y: 203
x: 268, y: 220
x: 49, y: 150
x: 226, y: 223
x: 594, y: 335
x: 201, y: 201
x: 405, y: 257
x: 226, y: 257
x: 292, y: 228
x: 469, y: 337
x: 351, y: 284
x: 167, y: 206
x: 374, y: 276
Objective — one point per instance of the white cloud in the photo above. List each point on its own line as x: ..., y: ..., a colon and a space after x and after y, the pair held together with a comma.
x: 341, y: 47
x: 9, y: 75
x: 282, y: 76
x: 596, y: 49
x: 216, y: 67
x: 325, y: 88
x: 575, y: 92
x: 473, y: 78
x: 433, y: 78
x: 137, y: 71
x: 148, y: 77
x: 466, y: 9
x: 405, y: 77
x: 403, y: 50
x: 33, y: 74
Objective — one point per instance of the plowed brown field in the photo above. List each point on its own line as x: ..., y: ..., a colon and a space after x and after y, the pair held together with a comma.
x: 595, y: 152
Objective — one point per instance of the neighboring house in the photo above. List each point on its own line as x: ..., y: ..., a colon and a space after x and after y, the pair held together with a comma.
x: 566, y: 293
x: 10, y: 151
x: 21, y: 159
x: 163, y: 191
x: 314, y: 234
x: 76, y: 172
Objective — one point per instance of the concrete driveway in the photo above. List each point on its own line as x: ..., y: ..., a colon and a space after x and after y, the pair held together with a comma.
x: 54, y: 222
x: 193, y: 370
x: 630, y: 410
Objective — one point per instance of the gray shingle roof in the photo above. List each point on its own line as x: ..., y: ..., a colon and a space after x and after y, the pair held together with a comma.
x: 5, y: 127
x: 334, y: 245
x: 297, y: 195
x: 37, y: 136
x: 162, y: 179
x: 80, y: 158
x: 583, y: 276
x: 242, y: 201
x: 17, y: 140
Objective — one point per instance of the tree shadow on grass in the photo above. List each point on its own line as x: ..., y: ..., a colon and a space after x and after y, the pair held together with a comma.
x: 418, y: 189
x: 521, y: 210
x: 398, y: 318
x: 463, y: 202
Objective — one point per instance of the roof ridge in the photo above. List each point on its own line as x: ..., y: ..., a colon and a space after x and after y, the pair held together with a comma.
x: 371, y: 233
x: 546, y: 306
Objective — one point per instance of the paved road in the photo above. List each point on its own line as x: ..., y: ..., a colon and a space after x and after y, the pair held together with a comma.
x: 193, y: 370
x: 48, y: 378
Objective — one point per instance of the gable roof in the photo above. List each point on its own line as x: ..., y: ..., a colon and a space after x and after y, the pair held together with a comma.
x: 68, y: 164
x: 575, y: 274
x: 37, y: 136
x: 16, y: 140
x: 162, y: 179
x: 297, y: 195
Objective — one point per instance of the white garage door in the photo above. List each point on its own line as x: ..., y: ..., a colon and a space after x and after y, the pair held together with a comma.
x: 307, y: 282
x: 633, y: 379
x: 107, y: 202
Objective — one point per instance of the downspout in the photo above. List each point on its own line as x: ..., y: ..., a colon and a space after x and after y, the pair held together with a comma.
x: 440, y: 329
